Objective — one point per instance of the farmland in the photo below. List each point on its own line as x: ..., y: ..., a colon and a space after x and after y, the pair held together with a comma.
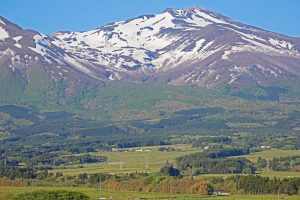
x: 149, y: 160
x: 72, y: 148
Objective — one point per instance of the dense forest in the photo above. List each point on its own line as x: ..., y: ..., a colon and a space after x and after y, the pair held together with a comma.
x: 216, y: 162
x: 264, y: 185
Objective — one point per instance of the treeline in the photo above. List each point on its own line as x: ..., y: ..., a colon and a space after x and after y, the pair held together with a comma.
x: 140, y: 142
x: 222, y: 153
x: 163, y: 185
x: 205, y: 141
x: 93, y: 178
x: 168, y: 149
x: 80, y: 159
x: 47, y: 160
x: 13, y: 172
x: 248, y: 184
x: 216, y: 162
x: 288, y: 163
x: 264, y: 185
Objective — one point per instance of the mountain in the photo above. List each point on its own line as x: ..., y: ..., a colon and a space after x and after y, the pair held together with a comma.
x: 193, y: 46
x: 179, y: 72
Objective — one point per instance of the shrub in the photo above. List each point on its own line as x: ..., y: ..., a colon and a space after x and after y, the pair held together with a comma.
x: 52, y: 195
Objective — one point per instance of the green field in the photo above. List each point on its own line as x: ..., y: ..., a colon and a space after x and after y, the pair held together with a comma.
x: 8, y: 193
x: 133, y: 161
x: 269, y: 154
x: 137, y: 162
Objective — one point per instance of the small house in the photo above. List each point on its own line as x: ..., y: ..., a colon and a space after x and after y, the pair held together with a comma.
x: 222, y: 192
x: 265, y: 147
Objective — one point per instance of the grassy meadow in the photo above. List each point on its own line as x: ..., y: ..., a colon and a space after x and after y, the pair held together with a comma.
x: 152, y: 160
x: 269, y: 154
x: 8, y: 193
x: 136, y: 161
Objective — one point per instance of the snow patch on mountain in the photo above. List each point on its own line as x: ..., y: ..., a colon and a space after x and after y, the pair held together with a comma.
x: 282, y: 44
x: 208, y: 17
x: 2, y: 22
x: 17, y: 39
x: 3, y: 34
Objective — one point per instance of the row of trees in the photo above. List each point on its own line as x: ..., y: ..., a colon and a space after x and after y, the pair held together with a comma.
x: 67, y: 160
x: 164, y: 185
x: 264, y: 185
x: 13, y: 172
x: 48, y: 160
x: 205, y: 141
x: 216, y: 162
x: 288, y: 163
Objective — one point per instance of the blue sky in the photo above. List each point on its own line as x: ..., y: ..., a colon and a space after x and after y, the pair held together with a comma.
x: 48, y: 16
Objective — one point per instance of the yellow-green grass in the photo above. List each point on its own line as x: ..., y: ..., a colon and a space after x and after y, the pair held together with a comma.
x: 269, y: 154
x: 257, y: 197
x: 8, y: 193
x: 137, y: 162
x: 245, y: 125
x: 134, y: 161
x: 279, y: 174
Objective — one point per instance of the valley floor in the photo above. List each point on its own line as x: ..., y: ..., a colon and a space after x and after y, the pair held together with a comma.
x: 152, y: 160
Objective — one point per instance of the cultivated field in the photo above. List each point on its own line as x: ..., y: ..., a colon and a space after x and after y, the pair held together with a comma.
x: 269, y: 154
x: 149, y: 160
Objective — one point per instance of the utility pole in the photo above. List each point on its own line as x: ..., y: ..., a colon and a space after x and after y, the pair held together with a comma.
x: 147, y: 161
x: 121, y: 167
x: 100, y: 188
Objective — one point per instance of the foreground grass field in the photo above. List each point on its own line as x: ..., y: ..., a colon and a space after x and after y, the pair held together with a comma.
x: 8, y: 193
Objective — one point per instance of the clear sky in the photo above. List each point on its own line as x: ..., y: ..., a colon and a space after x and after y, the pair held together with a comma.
x: 49, y: 16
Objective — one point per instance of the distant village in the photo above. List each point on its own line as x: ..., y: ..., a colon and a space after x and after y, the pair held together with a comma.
x: 129, y: 150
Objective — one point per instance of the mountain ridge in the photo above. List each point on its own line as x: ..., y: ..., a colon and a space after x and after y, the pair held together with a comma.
x: 193, y: 46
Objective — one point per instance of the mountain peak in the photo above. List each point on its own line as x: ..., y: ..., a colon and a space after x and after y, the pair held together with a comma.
x: 187, y: 10
x: 198, y: 14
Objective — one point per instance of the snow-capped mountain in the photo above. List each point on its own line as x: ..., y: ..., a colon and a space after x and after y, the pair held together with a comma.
x: 191, y: 46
